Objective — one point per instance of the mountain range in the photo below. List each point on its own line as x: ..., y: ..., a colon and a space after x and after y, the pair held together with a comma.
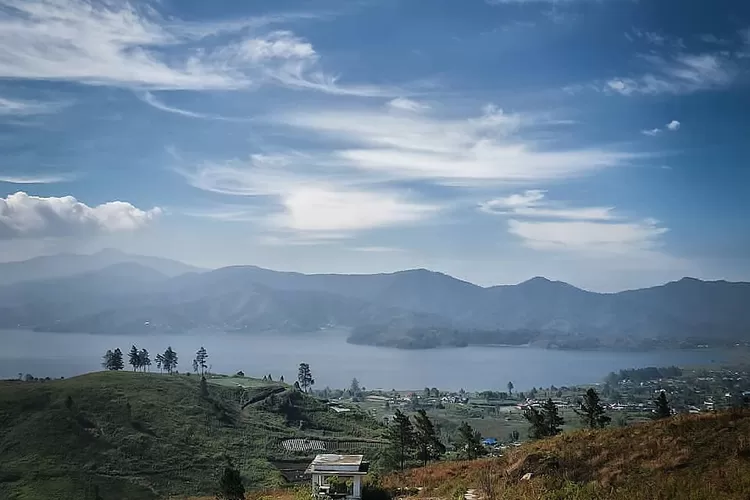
x: 114, y: 292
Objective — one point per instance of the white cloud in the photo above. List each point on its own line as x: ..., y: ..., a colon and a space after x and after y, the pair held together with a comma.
x: 672, y: 126
x: 589, y: 237
x: 111, y: 43
x: 36, y: 178
x: 278, y: 45
x: 151, y: 100
x: 301, y: 202
x: 652, y: 132
x: 404, y: 104
x: 14, y: 107
x: 470, y: 151
x: 25, y: 216
x: 682, y: 73
x: 532, y: 204
x: 329, y: 209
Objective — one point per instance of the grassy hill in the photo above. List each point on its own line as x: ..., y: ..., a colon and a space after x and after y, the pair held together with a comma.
x: 688, y: 457
x: 146, y: 436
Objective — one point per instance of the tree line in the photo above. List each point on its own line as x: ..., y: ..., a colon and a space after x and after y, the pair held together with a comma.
x: 140, y: 360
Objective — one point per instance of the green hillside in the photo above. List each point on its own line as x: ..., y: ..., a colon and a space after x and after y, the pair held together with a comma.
x: 143, y: 436
x: 687, y: 457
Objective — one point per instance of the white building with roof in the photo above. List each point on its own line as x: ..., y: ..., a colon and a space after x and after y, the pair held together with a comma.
x: 342, y: 467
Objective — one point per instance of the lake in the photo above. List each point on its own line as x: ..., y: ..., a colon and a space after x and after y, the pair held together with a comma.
x: 334, y: 362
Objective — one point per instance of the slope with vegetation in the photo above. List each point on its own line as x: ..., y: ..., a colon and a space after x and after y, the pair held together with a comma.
x: 145, y: 436
x: 690, y: 457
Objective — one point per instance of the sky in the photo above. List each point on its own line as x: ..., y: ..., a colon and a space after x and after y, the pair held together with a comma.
x: 599, y: 142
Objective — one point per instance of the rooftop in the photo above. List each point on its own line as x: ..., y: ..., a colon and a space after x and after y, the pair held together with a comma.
x: 338, y: 463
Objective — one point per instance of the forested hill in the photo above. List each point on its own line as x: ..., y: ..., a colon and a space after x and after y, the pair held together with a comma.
x: 413, y: 309
x: 147, y: 436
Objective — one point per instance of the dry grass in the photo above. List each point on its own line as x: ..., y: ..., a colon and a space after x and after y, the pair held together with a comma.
x: 688, y: 457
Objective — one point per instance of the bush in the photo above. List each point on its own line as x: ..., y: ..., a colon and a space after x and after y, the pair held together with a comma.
x: 375, y: 492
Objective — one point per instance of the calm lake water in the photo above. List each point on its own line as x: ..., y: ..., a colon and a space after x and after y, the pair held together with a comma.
x: 334, y: 362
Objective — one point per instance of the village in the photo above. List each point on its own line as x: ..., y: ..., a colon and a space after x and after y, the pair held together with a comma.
x: 628, y: 397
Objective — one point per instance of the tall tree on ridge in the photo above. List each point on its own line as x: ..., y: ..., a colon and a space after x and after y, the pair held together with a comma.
x: 304, y: 377
x: 429, y: 446
x: 133, y: 359
x: 117, y: 363
x: 200, y: 359
x: 592, y: 412
x: 401, y: 436
x: 144, y: 360
x: 469, y: 441
x: 662, y: 409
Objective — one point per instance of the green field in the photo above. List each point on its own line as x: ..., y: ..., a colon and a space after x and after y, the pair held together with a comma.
x: 147, y: 436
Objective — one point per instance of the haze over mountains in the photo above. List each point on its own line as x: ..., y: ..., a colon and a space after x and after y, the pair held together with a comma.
x: 113, y: 292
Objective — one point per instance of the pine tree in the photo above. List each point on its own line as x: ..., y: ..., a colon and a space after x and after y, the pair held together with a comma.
x: 537, y: 429
x: 662, y: 407
x: 200, y: 360
x: 160, y: 361
x: 552, y: 419
x: 304, y: 377
x: 545, y: 422
x: 108, y: 357
x: 117, y: 363
x: 429, y: 446
x: 169, y: 361
x: 591, y: 411
x: 133, y: 358
x: 143, y: 359
x: 401, y: 436
x: 230, y: 484
x: 469, y: 441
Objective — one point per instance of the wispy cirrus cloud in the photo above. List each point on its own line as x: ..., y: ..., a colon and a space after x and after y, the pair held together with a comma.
x: 20, y: 107
x: 150, y: 99
x: 547, y: 225
x: 132, y: 45
x: 533, y: 204
x: 470, y: 151
x: 26, y: 216
x: 405, y: 104
x: 590, y: 237
x: 293, y: 200
x: 36, y: 178
x: 351, y: 176
x: 682, y: 73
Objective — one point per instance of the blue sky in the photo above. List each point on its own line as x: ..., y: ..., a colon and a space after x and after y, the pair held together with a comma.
x: 603, y: 143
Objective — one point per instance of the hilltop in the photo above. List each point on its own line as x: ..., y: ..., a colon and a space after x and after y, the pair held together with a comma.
x: 144, y: 436
x: 704, y: 456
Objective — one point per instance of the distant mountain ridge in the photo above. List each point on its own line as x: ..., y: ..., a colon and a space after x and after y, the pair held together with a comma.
x: 69, y: 264
x: 411, y: 309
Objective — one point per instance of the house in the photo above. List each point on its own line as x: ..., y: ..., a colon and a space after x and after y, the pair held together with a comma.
x: 349, y: 468
x: 490, y: 442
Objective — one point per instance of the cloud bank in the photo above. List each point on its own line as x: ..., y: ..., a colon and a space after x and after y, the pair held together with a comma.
x: 25, y: 216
